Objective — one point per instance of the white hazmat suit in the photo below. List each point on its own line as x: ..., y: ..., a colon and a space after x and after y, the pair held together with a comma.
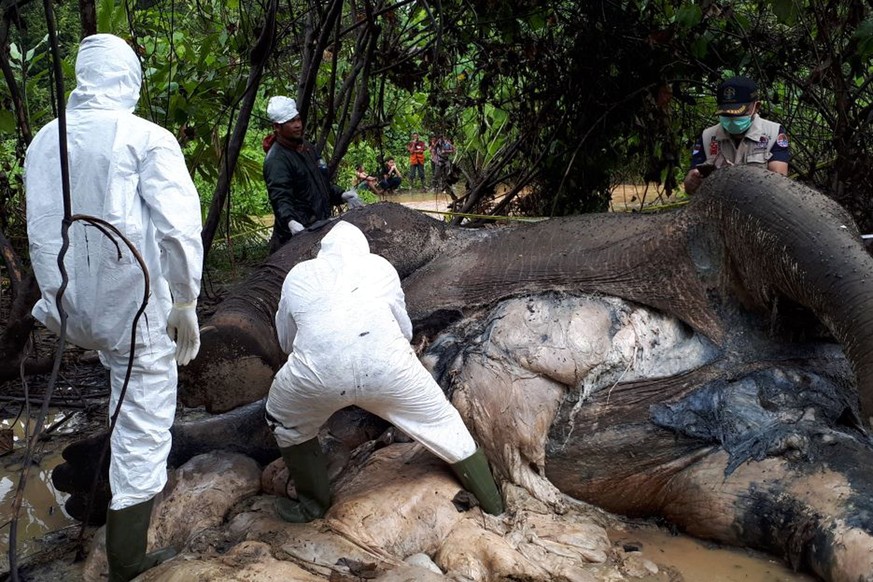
x: 352, y: 348
x: 131, y: 173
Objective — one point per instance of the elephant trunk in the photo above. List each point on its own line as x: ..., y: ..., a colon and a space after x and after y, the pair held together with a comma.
x: 239, y: 352
x: 785, y: 239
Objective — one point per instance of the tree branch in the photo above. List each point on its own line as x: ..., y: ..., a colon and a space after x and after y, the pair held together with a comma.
x: 259, y: 55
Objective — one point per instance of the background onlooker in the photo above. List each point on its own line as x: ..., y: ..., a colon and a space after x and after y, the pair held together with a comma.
x: 391, y: 177
x: 442, y: 151
x: 416, y: 148
x: 364, y: 181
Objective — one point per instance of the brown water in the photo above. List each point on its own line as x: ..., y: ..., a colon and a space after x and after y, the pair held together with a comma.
x: 431, y: 203
x: 42, y: 506
x: 625, y: 197
x: 696, y: 560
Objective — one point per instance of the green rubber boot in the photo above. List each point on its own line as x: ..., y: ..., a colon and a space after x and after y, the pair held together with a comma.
x: 476, y: 478
x: 126, y: 538
x: 308, y: 468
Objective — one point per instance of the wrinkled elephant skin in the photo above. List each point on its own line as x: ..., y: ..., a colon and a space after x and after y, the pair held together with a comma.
x: 712, y: 365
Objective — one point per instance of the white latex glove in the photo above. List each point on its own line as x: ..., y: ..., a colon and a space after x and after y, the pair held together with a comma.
x: 295, y: 227
x: 183, y: 329
x: 351, y: 198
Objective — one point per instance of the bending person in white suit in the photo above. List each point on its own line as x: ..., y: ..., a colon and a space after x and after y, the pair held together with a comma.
x: 342, y: 318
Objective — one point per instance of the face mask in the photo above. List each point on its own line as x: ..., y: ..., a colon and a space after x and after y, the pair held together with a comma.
x: 735, y: 125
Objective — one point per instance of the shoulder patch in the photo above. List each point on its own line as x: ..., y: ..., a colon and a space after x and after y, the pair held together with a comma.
x: 782, y: 140
x: 713, y: 146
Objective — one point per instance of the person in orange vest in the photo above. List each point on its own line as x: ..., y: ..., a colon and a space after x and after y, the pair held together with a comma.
x: 416, y: 149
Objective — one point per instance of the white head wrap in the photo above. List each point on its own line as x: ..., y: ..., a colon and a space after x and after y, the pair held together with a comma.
x: 281, y: 109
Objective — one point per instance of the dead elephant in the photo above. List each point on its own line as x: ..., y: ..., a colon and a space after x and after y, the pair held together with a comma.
x: 710, y: 365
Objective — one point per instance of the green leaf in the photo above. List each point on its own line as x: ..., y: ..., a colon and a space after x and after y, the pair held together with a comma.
x: 14, y: 52
x: 7, y: 121
x: 864, y: 36
x: 31, y: 52
x: 689, y: 16
x: 537, y: 21
x: 700, y: 47
x: 742, y: 20
x: 785, y: 11
x: 68, y: 68
x: 104, y: 15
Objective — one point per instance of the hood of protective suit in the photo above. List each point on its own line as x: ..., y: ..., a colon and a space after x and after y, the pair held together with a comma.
x: 344, y: 240
x: 108, y: 75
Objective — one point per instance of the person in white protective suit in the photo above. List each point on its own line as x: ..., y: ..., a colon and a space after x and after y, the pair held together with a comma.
x: 342, y: 318
x: 130, y: 173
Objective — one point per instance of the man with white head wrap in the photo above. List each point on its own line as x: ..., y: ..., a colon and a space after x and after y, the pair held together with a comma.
x: 295, y: 174
x: 342, y: 318
x: 131, y: 173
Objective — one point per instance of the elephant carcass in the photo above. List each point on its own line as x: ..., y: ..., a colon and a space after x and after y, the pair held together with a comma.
x: 755, y: 441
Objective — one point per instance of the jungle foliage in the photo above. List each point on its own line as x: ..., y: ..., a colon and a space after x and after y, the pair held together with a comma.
x: 556, y: 101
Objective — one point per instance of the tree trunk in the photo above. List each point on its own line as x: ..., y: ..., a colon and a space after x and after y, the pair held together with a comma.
x: 259, y: 55
x: 88, y: 17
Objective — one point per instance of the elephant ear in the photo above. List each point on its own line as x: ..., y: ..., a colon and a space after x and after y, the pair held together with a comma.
x: 82, y: 477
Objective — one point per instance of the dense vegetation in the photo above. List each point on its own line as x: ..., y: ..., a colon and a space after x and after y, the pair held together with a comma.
x: 558, y: 101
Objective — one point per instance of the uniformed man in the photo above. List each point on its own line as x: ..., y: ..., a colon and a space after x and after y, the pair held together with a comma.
x: 740, y: 137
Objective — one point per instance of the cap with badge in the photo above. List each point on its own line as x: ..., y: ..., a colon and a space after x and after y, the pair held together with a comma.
x: 735, y: 96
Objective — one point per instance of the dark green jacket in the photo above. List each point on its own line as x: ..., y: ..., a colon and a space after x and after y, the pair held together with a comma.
x: 297, y: 187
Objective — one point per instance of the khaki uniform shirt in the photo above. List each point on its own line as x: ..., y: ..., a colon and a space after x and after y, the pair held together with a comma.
x: 765, y: 141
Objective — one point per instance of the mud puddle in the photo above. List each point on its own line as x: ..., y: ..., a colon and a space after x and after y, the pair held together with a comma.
x: 42, y: 506
x: 694, y: 560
